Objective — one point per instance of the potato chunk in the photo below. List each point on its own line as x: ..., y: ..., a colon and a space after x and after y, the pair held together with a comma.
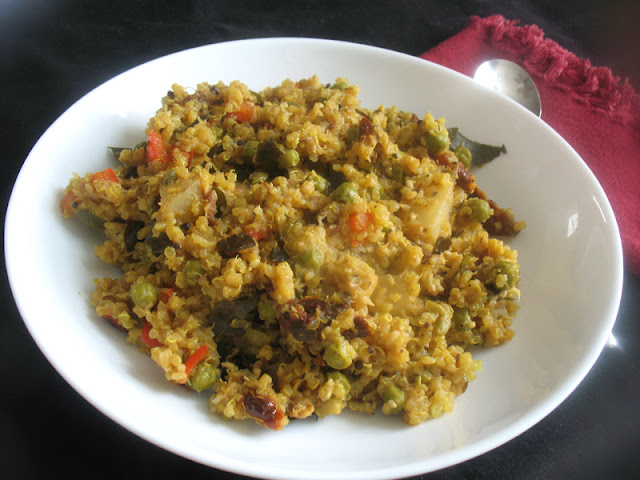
x: 429, y: 212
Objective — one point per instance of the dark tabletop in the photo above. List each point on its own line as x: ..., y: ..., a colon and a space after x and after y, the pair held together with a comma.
x: 54, y: 52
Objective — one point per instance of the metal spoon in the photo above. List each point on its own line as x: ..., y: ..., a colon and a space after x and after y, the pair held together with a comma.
x: 511, y: 80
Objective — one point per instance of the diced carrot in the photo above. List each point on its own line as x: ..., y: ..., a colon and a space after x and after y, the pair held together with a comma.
x: 195, y: 358
x: 105, y: 175
x: 165, y: 294
x: 149, y: 342
x: 360, y: 221
x: 257, y: 233
x: 245, y: 112
x: 156, y: 150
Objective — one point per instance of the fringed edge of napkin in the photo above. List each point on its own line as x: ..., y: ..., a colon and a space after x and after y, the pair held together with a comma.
x: 596, y: 87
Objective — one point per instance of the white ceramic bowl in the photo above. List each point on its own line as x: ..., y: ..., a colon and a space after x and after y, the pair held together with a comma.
x: 570, y: 256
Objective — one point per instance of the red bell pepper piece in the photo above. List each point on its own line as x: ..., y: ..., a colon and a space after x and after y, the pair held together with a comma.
x: 245, y: 112
x: 149, y: 342
x: 195, y: 358
x: 107, y: 175
x: 166, y: 294
x: 156, y: 150
x: 257, y: 233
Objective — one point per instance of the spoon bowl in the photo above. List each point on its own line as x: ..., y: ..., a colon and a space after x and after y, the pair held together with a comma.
x: 511, y: 80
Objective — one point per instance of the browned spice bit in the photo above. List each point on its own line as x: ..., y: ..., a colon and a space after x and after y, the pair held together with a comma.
x: 264, y: 411
x: 302, y: 317
x: 502, y: 222
x: 295, y: 320
x: 362, y: 327
x: 211, y: 207
x: 115, y: 323
x: 464, y: 387
x: 366, y: 127
x: 446, y: 158
x: 465, y: 179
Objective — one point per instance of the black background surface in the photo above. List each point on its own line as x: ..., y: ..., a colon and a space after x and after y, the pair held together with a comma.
x: 54, y: 52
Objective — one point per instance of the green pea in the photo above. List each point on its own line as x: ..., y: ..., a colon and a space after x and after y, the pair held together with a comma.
x: 391, y: 393
x: 377, y: 192
x: 203, y: 377
x: 340, y: 85
x: 352, y: 134
x: 443, y: 316
x: 480, y: 210
x: 443, y: 324
x: 257, y: 338
x: 311, y: 259
x: 319, y: 182
x: 169, y: 177
x: 143, y: 294
x: 345, y: 193
x: 436, y: 142
x: 290, y: 158
x: 193, y: 269
x: 266, y: 311
x: 336, y: 355
x: 259, y: 176
x: 249, y: 149
x: 340, y: 379
x: 505, y: 275
x: 397, y: 173
x: 433, y: 306
x: 464, y: 155
x: 461, y: 317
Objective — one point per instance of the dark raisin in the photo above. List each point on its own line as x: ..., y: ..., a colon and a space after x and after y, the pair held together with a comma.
x: 264, y: 411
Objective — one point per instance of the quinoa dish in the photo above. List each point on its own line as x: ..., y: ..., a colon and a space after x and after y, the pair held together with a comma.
x: 288, y: 253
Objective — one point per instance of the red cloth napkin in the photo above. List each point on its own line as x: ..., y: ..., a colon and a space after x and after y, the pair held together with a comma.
x: 592, y: 109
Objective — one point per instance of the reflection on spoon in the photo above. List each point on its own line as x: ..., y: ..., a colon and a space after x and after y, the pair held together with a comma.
x: 511, y: 80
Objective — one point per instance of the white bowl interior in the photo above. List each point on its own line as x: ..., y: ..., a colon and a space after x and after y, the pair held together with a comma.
x: 570, y: 257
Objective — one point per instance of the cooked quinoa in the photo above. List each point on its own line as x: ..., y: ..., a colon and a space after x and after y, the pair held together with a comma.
x: 290, y: 253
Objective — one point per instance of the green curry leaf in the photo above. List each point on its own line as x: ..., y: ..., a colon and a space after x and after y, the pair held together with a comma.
x: 481, y: 153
